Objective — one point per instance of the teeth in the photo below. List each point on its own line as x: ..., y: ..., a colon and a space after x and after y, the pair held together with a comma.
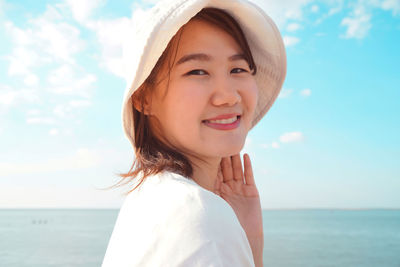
x: 225, y: 121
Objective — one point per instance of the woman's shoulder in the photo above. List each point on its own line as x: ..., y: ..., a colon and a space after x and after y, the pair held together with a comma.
x: 169, y: 193
x: 170, y: 203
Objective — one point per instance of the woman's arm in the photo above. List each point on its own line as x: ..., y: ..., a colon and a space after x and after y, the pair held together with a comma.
x: 238, y: 188
x: 257, y: 247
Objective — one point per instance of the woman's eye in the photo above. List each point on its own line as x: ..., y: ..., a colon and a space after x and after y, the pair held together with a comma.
x: 196, y: 72
x: 238, y: 70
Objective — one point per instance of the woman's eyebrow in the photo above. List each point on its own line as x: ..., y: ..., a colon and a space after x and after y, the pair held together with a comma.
x: 237, y: 57
x: 199, y: 56
x: 205, y: 57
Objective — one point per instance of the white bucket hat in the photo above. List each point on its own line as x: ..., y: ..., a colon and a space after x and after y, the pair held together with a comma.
x: 153, y: 31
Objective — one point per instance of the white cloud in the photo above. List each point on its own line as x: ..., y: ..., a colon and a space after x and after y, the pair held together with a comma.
x: 60, y: 40
x: 21, y: 60
x: 83, y: 9
x: 290, y: 40
x: 1, y: 8
x: 40, y: 120
x: 111, y: 35
x: 7, y: 96
x: 61, y: 110
x: 11, y: 97
x: 285, y: 93
x: 39, y: 196
x: 53, y: 131
x: 150, y: 1
x: 291, y: 137
x: 305, y: 92
x: 82, y: 158
x: 275, y: 145
x: 293, y: 27
x: 393, y: 5
x: 47, y: 39
x: 65, y: 80
x: 80, y: 103
x: 265, y: 145
x: 336, y: 9
x: 47, y: 42
x: 68, y: 110
x: 358, y: 24
x: 33, y: 112
x: 31, y: 79
x: 314, y: 8
x: 283, y: 10
x: 335, y: 6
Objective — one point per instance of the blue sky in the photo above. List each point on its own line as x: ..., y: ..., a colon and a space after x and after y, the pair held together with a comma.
x: 331, y: 140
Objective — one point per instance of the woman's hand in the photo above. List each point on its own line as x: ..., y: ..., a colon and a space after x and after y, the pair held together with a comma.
x: 239, y: 190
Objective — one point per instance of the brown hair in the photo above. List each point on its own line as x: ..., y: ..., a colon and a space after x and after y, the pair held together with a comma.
x: 152, y: 156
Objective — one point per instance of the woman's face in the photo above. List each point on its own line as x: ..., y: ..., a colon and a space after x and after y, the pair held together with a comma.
x: 207, y: 105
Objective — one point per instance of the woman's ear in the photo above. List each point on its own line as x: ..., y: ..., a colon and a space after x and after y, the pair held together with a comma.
x: 141, y: 103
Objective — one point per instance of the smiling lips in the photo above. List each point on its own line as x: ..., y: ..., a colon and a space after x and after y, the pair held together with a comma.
x: 224, y: 122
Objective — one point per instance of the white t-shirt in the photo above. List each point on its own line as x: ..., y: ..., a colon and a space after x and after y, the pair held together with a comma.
x: 172, y: 221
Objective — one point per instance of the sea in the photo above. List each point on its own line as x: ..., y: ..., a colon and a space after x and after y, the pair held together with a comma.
x: 295, y: 238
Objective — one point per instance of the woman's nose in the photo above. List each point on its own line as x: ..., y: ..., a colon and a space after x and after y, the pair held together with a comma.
x: 225, y: 92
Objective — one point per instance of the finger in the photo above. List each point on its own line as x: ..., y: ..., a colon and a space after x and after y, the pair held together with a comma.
x: 217, y: 184
x: 226, y: 168
x: 237, y: 168
x: 248, y: 170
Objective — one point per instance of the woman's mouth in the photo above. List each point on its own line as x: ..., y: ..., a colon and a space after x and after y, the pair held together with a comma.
x: 224, y: 124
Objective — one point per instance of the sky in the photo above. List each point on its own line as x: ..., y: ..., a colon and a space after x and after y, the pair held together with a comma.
x: 331, y: 139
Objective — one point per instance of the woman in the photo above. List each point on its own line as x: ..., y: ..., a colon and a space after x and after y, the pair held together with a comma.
x: 201, y: 75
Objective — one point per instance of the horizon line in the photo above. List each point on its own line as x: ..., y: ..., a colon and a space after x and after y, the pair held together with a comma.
x: 265, y: 209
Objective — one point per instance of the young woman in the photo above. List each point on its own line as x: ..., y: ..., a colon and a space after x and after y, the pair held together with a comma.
x: 201, y: 75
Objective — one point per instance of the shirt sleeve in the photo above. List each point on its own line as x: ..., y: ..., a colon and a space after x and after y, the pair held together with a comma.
x: 189, y: 227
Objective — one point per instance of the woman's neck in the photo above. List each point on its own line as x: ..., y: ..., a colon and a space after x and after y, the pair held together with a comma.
x: 205, y: 172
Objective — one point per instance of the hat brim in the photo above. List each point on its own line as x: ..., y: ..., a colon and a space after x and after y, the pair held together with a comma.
x: 143, y: 48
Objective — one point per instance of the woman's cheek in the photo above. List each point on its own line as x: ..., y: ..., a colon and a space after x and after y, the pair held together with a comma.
x: 251, y: 94
x: 194, y: 94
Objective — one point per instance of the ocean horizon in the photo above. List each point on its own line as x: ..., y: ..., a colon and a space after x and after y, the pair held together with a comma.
x: 302, y: 237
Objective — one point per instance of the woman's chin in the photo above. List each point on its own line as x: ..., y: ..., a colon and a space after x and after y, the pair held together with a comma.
x: 230, y: 150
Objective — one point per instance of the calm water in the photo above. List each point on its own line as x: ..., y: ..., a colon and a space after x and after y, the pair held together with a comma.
x: 292, y: 238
